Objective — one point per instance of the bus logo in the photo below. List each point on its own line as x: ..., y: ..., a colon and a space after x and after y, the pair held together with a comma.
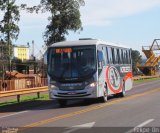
x: 113, y: 79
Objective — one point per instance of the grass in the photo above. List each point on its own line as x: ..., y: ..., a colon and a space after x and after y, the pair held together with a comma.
x: 145, y: 80
x: 25, y: 99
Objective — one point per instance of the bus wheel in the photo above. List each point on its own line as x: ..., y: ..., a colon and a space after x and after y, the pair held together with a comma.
x: 123, y: 93
x: 62, y: 102
x: 105, y: 96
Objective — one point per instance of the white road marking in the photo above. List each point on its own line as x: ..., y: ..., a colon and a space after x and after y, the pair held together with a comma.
x: 145, y: 123
x: 13, y: 114
x: 87, y: 125
x: 77, y: 127
x: 140, y: 126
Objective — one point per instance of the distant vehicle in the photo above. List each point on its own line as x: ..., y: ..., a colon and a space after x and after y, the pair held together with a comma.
x: 88, y: 68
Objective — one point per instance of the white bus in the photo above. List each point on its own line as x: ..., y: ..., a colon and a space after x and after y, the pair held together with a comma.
x: 88, y: 68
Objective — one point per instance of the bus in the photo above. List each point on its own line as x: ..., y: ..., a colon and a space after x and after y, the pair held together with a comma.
x: 87, y: 69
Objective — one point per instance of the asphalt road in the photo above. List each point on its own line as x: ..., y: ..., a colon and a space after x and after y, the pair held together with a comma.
x: 136, y: 112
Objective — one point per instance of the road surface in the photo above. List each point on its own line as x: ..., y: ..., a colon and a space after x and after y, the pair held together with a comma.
x: 139, y: 111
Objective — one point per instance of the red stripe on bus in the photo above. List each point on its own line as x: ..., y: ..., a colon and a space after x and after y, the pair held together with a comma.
x: 128, y: 75
x: 109, y: 84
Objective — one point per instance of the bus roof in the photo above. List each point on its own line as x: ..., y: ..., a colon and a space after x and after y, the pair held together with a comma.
x: 86, y: 42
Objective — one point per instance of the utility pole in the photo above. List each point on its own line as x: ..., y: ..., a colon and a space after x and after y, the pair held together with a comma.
x: 33, y: 48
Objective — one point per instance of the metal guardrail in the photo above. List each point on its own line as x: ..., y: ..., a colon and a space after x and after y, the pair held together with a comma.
x: 20, y: 92
x: 38, y: 90
x: 20, y: 87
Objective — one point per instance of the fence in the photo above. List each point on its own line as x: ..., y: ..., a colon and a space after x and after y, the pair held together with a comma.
x: 17, y: 84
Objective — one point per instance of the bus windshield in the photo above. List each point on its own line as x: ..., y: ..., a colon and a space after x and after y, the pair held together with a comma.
x: 71, y: 63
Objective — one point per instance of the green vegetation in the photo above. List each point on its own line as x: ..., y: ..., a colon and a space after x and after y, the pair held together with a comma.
x: 9, y: 27
x: 64, y: 17
x: 25, y: 99
x: 136, y: 58
x: 145, y: 80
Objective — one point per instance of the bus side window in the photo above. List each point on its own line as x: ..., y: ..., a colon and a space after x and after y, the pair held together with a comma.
x: 110, y: 58
x: 124, y: 57
x: 116, y: 56
x: 113, y: 55
x: 107, y: 57
x: 100, y: 59
x: 129, y: 57
x: 119, y: 56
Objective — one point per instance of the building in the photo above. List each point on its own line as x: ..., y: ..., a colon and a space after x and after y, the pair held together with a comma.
x: 21, y: 52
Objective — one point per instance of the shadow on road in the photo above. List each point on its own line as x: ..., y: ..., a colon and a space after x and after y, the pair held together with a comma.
x: 24, y: 106
x: 48, y: 104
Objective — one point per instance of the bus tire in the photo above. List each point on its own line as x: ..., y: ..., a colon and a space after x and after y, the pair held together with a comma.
x: 62, y: 102
x: 123, y: 93
x: 104, y: 98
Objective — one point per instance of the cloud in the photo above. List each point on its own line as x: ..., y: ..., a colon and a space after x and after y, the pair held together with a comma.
x: 94, y: 13
x: 102, y: 12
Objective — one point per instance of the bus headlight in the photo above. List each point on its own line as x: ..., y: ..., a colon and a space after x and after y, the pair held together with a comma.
x: 53, y: 87
x: 92, y: 84
x: 91, y: 88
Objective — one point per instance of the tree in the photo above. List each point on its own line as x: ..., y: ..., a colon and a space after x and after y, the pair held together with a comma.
x: 136, y: 58
x: 64, y: 17
x: 8, y: 25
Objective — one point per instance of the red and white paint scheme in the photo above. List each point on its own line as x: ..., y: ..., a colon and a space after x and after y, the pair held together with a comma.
x: 88, y: 68
x: 115, y: 80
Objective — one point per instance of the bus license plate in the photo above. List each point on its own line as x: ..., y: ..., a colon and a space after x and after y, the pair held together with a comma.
x: 71, y: 93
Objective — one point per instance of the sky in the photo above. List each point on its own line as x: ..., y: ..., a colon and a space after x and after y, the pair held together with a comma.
x: 128, y: 22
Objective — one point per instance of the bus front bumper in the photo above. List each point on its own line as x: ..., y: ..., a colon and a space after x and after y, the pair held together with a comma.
x: 74, y: 94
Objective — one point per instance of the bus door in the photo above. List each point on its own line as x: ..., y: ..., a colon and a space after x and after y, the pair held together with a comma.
x: 101, y: 70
